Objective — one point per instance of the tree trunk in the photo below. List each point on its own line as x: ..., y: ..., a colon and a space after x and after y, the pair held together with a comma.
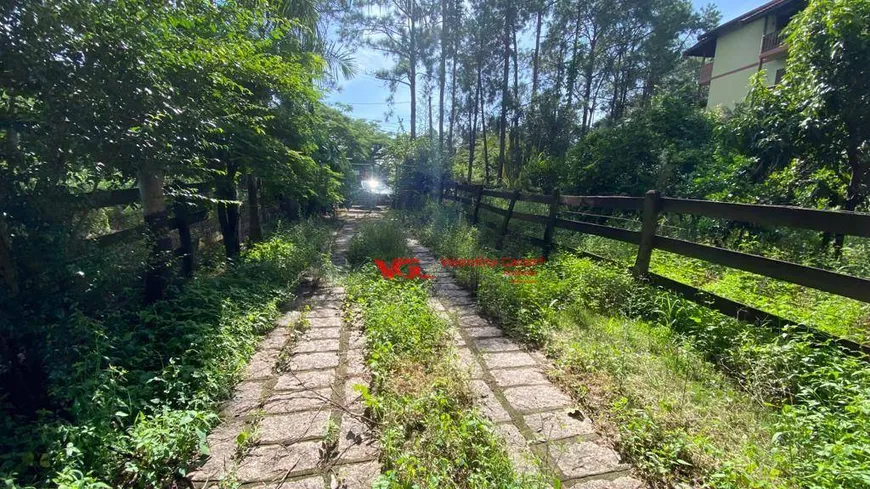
x: 854, y: 193
x: 587, y: 86
x: 156, y: 220
x: 623, y: 98
x: 502, y: 130
x: 472, y: 134
x: 572, y: 69
x: 483, y: 126
x: 412, y: 69
x: 515, y: 123
x: 429, y: 128
x: 560, y: 68
x: 255, y: 233
x: 615, y: 96
x: 536, y: 57
x: 228, y: 214
x: 452, y: 121
x: 533, y: 108
x: 442, y: 75
x: 452, y: 106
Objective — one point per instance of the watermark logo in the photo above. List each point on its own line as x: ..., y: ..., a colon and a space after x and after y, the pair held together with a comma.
x: 395, y: 269
x: 518, y: 270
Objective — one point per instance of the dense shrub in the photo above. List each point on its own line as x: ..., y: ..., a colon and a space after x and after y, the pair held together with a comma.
x: 133, y: 390
x: 657, y: 147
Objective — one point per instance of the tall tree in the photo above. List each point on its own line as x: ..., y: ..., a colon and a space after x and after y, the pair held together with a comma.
x: 483, y: 126
x: 442, y: 71
x: 473, y: 104
x: 392, y: 27
x: 456, y: 20
x: 509, y: 19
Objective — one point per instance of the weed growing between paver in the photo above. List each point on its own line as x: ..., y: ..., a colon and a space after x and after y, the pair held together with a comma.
x: 693, y: 396
x: 431, y: 435
x: 135, y: 392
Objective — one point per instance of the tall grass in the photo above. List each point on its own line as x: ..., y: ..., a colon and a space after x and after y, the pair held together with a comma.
x: 840, y: 316
x: 383, y: 239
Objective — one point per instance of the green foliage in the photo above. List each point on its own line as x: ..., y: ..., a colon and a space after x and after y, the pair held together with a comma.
x: 825, y: 432
x: 543, y: 172
x: 342, y: 141
x: 803, y: 135
x: 107, y: 95
x: 658, y: 147
x: 840, y: 316
x: 827, y: 81
x: 134, y: 392
x: 97, y: 95
x: 381, y: 240
x: 430, y: 433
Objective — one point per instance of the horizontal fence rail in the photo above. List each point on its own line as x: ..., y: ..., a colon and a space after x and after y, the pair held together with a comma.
x: 652, y: 206
x: 108, y: 198
x: 181, y: 221
x: 138, y: 232
x: 833, y: 282
x: 834, y: 222
x: 625, y: 203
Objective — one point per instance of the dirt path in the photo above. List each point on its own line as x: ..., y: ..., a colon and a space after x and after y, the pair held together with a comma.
x: 295, y: 421
x: 537, y: 420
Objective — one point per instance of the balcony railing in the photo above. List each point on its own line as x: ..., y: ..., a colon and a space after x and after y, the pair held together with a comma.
x: 771, y: 42
x: 706, y: 74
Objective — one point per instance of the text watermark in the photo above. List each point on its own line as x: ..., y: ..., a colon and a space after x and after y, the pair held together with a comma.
x: 520, y: 270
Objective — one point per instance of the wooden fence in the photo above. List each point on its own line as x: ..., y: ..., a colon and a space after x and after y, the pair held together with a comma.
x: 182, y: 220
x: 651, y: 206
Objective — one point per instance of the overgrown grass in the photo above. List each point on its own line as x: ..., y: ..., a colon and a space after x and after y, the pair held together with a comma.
x: 692, y: 395
x: 430, y: 432
x: 133, y: 392
x: 827, y: 312
x: 840, y: 316
x: 382, y: 239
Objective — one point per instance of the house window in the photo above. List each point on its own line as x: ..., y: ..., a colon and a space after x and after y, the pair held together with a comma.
x: 779, y: 74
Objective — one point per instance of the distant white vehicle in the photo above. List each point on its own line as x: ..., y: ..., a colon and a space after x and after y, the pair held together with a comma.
x: 376, y: 187
x: 372, y: 192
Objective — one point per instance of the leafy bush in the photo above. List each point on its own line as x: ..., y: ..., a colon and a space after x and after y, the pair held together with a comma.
x: 134, y: 392
x: 659, y: 147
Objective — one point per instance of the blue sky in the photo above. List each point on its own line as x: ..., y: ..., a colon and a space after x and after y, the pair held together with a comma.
x: 367, y: 95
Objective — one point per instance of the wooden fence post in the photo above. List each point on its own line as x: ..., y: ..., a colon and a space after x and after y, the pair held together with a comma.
x: 187, y: 249
x: 652, y: 205
x: 477, y: 204
x: 255, y: 229
x: 551, y: 224
x: 507, y: 218
x: 8, y: 269
x: 157, y: 227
